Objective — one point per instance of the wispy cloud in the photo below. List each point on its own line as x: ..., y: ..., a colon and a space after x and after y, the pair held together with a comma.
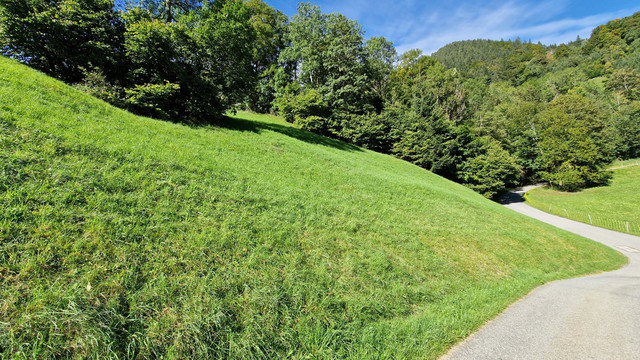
x: 431, y: 25
x: 505, y: 21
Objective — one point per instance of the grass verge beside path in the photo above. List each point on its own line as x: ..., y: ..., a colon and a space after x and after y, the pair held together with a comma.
x: 611, y: 207
x: 126, y: 237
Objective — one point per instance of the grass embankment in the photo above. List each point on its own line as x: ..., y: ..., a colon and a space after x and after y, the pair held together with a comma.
x: 125, y: 237
x: 611, y: 206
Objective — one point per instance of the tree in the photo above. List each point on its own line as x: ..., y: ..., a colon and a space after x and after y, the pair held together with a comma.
x: 625, y: 81
x: 329, y: 55
x: 226, y: 42
x: 428, y: 138
x: 63, y: 37
x: 572, y: 153
x: 167, y: 10
x: 626, y: 129
x: 489, y: 169
x: 157, y: 54
x: 269, y: 26
x: 429, y: 101
x: 194, y: 68
x: 381, y: 57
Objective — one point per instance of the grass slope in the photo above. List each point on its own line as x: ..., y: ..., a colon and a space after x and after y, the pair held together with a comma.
x: 609, y: 206
x: 126, y: 237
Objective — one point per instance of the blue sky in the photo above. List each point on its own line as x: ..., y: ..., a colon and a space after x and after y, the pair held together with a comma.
x: 429, y: 25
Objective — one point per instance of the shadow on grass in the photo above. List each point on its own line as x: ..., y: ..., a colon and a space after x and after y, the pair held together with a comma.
x: 302, y: 135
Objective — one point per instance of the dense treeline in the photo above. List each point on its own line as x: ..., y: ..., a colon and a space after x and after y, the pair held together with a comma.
x: 489, y: 114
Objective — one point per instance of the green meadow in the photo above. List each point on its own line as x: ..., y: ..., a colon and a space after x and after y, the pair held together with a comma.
x: 612, y: 207
x: 123, y: 237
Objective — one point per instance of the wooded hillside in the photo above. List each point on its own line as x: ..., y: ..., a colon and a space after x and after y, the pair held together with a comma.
x: 488, y: 114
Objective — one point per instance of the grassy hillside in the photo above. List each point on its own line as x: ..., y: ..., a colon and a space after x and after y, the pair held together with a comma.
x: 125, y: 237
x: 609, y: 206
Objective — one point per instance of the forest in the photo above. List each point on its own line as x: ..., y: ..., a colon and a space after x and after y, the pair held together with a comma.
x: 488, y: 114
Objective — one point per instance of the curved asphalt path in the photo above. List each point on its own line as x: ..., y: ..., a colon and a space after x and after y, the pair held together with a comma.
x: 593, y: 317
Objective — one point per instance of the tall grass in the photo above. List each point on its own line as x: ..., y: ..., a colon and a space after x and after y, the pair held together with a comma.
x: 126, y: 237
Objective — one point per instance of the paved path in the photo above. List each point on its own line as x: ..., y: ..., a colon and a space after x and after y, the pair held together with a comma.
x: 593, y: 317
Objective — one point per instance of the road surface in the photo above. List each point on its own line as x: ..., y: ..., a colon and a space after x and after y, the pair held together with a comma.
x: 593, y: 317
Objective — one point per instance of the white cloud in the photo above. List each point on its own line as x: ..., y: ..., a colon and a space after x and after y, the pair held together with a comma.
x: 411, y: 25
x: 431, y: 24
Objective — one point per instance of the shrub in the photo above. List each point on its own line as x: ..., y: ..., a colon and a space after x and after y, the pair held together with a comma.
x: 491, y: 170
x: 95, y: 83
x: 295, y: 105
x: 157, y: 100
x: 315, y: 124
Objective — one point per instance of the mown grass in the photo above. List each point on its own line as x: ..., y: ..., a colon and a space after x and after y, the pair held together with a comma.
x: 611, y: 206
x: 126, y: 237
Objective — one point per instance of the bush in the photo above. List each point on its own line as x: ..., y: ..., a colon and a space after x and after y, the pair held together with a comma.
x: 156, y: 100
x: 95, y: 84
x: 315, y: 124
x: 568, y: 178
x: 297, y: 104
x: 372, y: 131
x: 491, y: 171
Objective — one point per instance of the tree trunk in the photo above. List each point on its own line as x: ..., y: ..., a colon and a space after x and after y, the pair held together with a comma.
x: 167, y: 10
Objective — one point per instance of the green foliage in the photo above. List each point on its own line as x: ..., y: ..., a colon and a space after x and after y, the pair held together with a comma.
x: 489, y: 169
x: 512, y: 92
x: 126, y: 237
x: 423, y: 80
x: 225, y: 39
x: 572, y: 154
x: 615, y: 36
x: 207, y: 53
x: 627, y: 82
x: 152, y: 47
x: 154, y: 100
x: 210, y: 50
x: 166, y: 10
x: 96, y: 84
x: 626, y: 127
x: 166, y: 75
x: 297, y: 104
x: 492, y: 60
x: 372, y: 131
x: 429, y: 140
x: 381, y: 57
x: 312, y: 123
x: 429, y: 102
x: 62, y: 37
x: 270, y: 26
x: 330, y: 53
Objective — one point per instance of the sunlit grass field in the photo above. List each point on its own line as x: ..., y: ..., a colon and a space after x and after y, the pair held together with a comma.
x: 616, y: 206
x: 126, y: 237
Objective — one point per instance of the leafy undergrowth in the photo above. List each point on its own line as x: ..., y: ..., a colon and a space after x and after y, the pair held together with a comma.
x: 125, y: 237
x: 615, y: 207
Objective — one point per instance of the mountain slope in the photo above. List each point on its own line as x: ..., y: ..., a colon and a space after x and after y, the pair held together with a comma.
x: 122, y: 236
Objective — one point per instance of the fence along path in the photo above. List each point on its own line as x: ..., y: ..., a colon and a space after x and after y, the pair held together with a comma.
x: 630, y: 226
